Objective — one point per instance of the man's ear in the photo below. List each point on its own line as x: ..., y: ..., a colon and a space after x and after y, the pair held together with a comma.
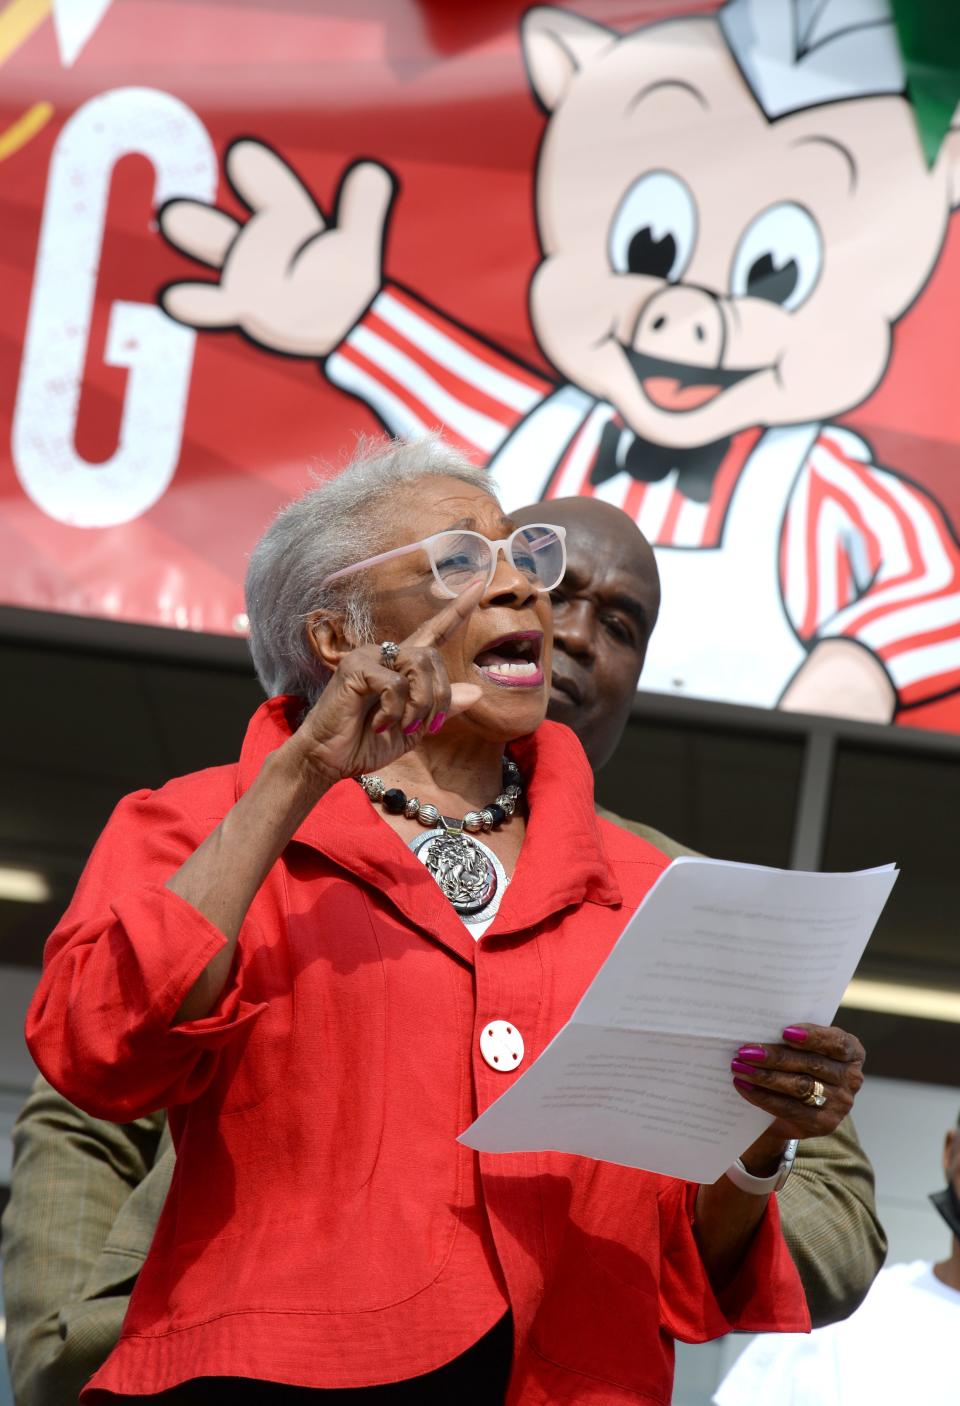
x: 949, y: 1150
x: 556, y: 46
x: 327, y: 639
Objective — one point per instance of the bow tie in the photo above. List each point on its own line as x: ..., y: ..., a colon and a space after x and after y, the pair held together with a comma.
x: 621, y: 451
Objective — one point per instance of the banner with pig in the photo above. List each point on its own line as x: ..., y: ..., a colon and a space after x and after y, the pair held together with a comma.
x: 688, y: 258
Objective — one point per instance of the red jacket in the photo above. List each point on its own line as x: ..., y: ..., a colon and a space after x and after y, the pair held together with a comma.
x: 324, y: 1226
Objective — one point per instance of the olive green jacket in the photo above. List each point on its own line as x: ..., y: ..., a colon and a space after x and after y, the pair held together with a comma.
x: 87, y: 1194
x: 85, y: 1198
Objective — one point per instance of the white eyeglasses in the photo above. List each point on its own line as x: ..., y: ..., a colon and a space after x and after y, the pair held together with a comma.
x: 538, y: 551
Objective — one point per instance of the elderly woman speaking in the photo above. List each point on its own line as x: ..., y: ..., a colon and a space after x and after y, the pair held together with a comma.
x: 326, y: 959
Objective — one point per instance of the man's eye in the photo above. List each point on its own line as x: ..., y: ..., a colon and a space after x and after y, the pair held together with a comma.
x: 557, y: 598
x: 619, y: 629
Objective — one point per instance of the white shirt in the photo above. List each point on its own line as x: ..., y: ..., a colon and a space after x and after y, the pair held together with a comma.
x: 898, y: 1349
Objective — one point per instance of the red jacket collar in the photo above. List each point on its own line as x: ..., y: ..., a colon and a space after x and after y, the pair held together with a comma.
x: 562, y: 862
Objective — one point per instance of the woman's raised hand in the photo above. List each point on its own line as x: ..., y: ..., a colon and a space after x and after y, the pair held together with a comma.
x: 369, y: 714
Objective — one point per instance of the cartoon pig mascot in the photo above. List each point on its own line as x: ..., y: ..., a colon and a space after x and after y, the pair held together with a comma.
x: 733, y: 213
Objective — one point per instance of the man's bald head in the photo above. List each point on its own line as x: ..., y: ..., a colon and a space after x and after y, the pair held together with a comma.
x: 599, y: 522
x: 604, y: 612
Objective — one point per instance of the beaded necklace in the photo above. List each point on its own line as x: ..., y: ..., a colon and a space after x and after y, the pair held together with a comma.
x: 469, y: 873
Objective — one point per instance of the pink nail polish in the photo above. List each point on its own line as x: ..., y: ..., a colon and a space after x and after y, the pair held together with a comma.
x: 437, y: 723
x: 409, y: 731
x: 384, y: 727
x: 754, y: 1054
x: 796, y: 1033
x: 740, y: 1068
x: 742, y: 1084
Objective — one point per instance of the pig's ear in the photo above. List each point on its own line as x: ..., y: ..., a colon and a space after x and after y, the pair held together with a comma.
x: 556, y: 46
x: 950, y: 152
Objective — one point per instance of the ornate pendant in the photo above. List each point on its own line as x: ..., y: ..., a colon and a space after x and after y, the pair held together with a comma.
x: 469, y: 874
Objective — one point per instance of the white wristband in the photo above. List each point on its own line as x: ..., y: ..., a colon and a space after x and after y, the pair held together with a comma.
x: 762, y: 1186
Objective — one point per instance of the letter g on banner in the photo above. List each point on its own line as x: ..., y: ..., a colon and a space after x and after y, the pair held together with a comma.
x: 157, y: 353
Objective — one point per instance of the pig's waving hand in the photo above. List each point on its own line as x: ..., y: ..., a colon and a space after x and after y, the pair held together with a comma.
x: 289, y: 278
x: 734, y: 212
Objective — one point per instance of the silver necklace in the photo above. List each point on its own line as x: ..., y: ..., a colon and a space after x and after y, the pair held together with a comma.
x: 468, y: 872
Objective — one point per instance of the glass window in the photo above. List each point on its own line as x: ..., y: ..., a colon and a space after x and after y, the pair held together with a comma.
x: 902, y: 806
x: 727, y: 792
x: 80, y: 730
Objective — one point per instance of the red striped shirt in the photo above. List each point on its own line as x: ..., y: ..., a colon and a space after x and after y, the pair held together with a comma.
x: 864, y: 554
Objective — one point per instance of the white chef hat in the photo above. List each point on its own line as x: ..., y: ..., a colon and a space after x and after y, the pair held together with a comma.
x: 796, y: 54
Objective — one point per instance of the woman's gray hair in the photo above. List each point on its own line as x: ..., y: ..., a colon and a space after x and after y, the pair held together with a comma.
x: 342, y: 521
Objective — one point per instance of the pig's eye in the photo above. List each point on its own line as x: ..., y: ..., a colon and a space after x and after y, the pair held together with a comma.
x: 654, y: 229
x: 779, y: 257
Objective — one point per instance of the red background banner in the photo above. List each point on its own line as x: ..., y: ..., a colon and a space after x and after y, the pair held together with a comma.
x: 436, y: 92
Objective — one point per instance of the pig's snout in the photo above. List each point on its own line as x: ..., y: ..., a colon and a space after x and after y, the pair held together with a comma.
x: 681, y: 324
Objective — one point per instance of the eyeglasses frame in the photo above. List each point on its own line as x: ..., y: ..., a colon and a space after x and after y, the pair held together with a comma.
x: 502, y: 544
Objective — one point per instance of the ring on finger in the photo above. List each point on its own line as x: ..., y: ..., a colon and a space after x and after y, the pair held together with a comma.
x: 816, y: 1098
x: 389, y: 654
